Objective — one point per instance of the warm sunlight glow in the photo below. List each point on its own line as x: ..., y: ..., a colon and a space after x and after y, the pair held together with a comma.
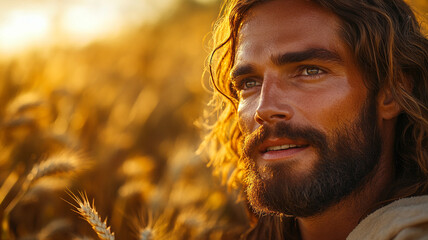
x: 87, y: 22
x: 25, y: 24
x: 23, y: 27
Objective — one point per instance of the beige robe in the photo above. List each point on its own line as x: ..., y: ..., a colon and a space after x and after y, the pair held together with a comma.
x: 404, y: 219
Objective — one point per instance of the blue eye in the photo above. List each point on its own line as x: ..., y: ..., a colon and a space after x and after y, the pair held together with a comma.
x: 250, y: 84
x: 246, y: 83
x: 311, y: 71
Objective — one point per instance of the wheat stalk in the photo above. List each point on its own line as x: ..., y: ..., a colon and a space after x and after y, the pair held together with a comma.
x: 90, y: 214
x: 62, y: 163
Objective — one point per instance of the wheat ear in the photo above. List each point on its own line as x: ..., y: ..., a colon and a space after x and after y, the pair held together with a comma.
x: 155, y: 228
x: 90, y: 214
x: 63, y: 163
x: 146, y: 234
x: 60, y: 164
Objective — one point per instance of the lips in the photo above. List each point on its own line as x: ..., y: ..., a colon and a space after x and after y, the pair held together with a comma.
x: 277, y: 144
x: 281, y: 148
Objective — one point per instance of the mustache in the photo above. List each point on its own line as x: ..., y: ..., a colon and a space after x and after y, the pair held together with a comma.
x: 312, y: 136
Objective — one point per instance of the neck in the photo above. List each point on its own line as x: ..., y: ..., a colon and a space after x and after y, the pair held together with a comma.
x: 339, y: 220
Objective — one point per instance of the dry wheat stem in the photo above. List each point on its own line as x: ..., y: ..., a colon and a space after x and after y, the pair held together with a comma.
x: 89, y: 213
x: 7, y: 185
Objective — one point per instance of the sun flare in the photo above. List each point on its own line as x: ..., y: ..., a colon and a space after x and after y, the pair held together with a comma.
x: 27, y: 24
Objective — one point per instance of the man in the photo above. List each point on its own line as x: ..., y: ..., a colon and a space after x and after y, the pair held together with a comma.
x: 323, y: 113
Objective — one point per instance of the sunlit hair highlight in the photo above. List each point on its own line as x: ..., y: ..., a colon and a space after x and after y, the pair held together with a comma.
x: 392, y: 53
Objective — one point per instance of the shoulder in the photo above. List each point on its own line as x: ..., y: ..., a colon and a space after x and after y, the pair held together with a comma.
x: 406, y: 218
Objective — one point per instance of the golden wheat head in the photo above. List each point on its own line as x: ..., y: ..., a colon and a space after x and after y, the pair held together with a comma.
x: 89, y: 213
x: 146, y: 234
x: 63, y: 163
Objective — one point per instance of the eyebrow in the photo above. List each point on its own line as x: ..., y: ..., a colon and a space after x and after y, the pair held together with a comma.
x: 242, y: 70
x: 291, y: 57
x: 309, y: 54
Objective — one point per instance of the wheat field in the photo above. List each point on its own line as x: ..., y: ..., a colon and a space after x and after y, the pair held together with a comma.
x: 99, y: 141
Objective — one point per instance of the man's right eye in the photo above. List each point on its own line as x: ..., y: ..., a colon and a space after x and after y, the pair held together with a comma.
x: 250, y: 83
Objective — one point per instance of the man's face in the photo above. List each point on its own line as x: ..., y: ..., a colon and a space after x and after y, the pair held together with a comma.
x: 309, y: 122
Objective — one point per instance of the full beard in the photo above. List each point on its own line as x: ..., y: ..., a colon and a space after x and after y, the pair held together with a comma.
x: 344, y: 165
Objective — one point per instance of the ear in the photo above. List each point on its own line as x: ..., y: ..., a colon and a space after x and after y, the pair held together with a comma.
x: 388, y: 107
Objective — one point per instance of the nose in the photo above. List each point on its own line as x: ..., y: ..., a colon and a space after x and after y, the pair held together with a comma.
x: 273, y: 104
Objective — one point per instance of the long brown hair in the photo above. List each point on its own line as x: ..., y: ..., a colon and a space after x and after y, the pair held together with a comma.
x: 391, y: 51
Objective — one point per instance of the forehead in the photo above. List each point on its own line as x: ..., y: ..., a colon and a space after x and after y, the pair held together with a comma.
x: 288, y: 26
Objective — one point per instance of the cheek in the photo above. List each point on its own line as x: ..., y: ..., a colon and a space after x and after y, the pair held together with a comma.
x: 332, y: 115
x: 246, y: 112
x: 330, y: 108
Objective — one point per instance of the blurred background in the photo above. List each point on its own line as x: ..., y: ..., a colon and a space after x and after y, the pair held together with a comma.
x: 102, y: 97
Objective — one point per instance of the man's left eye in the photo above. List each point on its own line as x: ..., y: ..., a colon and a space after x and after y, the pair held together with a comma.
x: 310, y: 71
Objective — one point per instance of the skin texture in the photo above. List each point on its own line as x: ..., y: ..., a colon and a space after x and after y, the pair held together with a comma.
x: 292, y: 66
